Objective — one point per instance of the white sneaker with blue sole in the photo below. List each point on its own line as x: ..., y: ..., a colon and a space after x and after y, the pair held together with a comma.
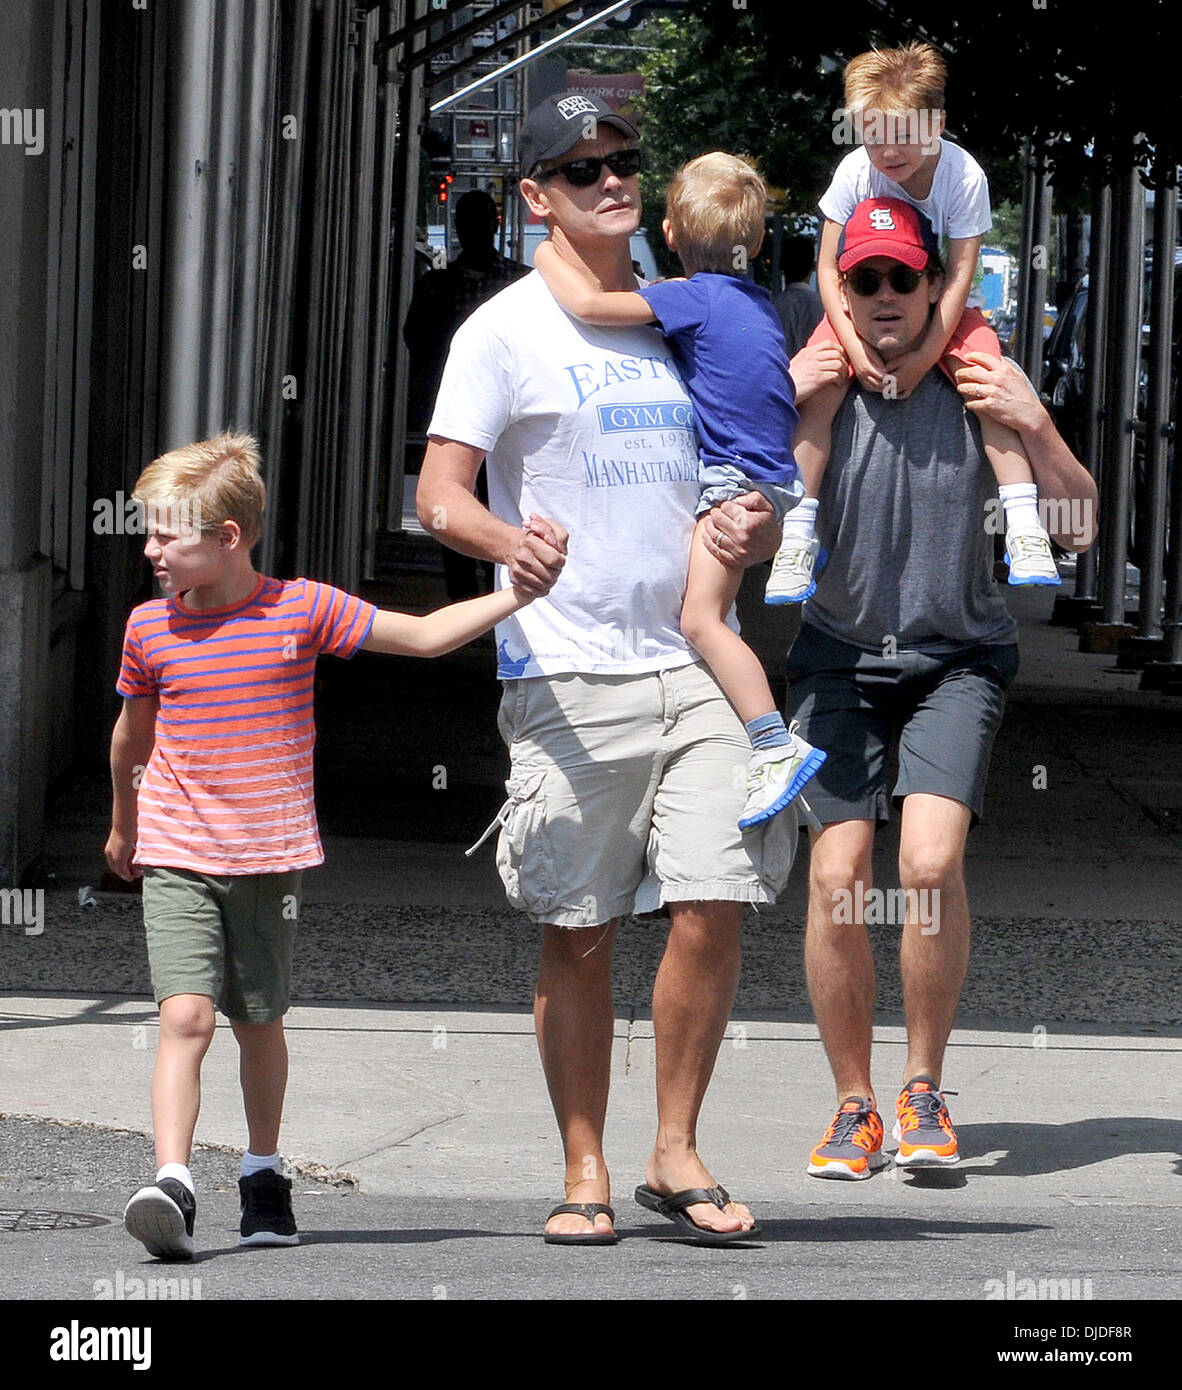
x: 1030, y: 558
x: 775, y: 776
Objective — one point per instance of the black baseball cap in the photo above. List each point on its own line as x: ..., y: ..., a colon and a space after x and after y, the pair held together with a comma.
x: 560, y: 122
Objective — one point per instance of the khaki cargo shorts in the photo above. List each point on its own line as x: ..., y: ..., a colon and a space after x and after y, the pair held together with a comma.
x: 624, y: 795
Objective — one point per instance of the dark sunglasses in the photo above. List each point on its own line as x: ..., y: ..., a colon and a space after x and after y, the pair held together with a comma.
x: 582, y: 173
x: 903, y: 280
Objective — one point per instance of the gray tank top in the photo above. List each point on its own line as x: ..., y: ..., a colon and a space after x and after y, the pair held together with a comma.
x: 903, y: 517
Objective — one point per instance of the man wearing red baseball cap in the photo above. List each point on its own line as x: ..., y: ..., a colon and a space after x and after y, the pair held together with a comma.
x: 905, y: 637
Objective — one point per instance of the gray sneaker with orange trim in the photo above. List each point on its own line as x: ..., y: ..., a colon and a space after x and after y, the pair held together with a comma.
x: 923, y: 1129
x: 852, y: 1146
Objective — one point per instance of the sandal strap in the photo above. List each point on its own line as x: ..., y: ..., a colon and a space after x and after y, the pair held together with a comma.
x: 716, y: 1196
x: 590, y: 1210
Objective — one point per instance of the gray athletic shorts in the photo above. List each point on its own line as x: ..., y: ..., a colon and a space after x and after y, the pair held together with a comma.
x: 944, y: 709
x: 625, y: 794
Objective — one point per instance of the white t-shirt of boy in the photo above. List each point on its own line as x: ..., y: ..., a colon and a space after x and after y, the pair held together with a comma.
x: 957, y: 206
x: 593, y: 427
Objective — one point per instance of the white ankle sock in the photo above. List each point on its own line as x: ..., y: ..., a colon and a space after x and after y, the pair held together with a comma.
x: 255, y: 1163
x: 1020, y: 502
x: 801, y: 522
x: 178, y: 1171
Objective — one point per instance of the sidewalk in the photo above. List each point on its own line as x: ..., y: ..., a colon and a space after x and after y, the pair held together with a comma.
x: 425, y: 1126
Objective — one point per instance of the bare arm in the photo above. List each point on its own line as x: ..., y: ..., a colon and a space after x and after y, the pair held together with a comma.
x: 450, y: 510
x: 958, y: 281
x: 995, y: 387
x: 132, y: 742
x: 817, y: 366
x: 867, y: 365
x: 405, y: 634
x: 581, y: 296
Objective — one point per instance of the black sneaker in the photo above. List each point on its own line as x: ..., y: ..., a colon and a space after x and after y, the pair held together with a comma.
x: 266, y: 1210
x: 161, y: 1216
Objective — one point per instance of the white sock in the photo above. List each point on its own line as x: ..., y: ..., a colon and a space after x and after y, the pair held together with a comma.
x: 800, y: 524
x: 256, y: 1163
x: 1020, y: 502
x: 178, y: 1171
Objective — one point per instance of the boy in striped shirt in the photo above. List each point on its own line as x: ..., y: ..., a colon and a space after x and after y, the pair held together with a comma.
x: 211, y: 762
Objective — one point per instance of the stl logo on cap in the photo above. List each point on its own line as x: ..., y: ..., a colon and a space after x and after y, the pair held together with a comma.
x: 570, y: 107
x: 882, y: 220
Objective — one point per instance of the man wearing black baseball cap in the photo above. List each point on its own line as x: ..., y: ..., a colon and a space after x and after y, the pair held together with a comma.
x: 557, y: 125
x: 627, y: 763
x: 906, y: 636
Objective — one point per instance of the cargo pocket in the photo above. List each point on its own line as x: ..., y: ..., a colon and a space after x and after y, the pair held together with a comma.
x: 524, y: 857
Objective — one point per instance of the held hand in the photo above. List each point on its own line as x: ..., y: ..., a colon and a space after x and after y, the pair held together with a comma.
x: 118, y: 852
x: 537, y: 559
x: 818, y: 366
x: 742, y: 532
x: 995, y: 387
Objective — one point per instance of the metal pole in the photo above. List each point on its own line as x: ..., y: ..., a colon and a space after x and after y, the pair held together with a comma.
x: 1096, y: 351
x: 230, y: 21
x: 406, y: 198
x: 254, y: 232
x: 284, y: 217
x: 1118, y: 435
x: 185, y: 245
x: 1041, y: 267
x: 1157, y: 418
x: 1025, y: 257
x: 382, y: 327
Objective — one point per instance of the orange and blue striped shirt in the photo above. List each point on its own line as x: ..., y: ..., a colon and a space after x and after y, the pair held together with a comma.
x: 228, y: 787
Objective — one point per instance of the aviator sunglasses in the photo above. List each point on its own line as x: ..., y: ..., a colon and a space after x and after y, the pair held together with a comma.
x: 865, y: 282
x: 582, y: 173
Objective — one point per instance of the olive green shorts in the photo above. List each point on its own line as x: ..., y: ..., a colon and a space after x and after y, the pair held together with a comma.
x: 229, y: 937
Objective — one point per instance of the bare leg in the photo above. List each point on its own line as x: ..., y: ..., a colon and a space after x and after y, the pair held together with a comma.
x: 186, y: 1030
x: 573, y: 1019
x: 692, y: 998
x: 933, y: 955
x: 1003, y: 446
x: 710, y: 592
x: 838, y: 959
x: 262, y: 1069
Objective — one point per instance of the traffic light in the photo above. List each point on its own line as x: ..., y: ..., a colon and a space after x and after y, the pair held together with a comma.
x: 443, y: 187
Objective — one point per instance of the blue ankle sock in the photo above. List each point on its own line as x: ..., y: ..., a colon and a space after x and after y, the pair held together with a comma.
x: 768, y: 731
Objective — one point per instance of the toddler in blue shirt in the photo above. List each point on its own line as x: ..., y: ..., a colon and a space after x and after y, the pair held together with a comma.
x: 729, y: 347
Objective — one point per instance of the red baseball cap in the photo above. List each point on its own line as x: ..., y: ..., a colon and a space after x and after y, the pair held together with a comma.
x: 886, y: 227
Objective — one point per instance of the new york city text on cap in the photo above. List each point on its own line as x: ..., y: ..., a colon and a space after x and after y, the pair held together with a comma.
x: 560, y: 122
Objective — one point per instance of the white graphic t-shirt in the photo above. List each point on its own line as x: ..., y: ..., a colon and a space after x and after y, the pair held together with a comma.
x: 593, y: 427
x: 957, y: 206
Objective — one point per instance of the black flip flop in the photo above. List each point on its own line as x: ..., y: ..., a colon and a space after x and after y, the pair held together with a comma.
x: 673, y: 1207
x: 593, y: 1237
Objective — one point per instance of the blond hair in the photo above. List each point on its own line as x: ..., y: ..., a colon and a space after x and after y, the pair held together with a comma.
x: 214, y: 481
x: 716, y: 206
x: 911, y: 78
